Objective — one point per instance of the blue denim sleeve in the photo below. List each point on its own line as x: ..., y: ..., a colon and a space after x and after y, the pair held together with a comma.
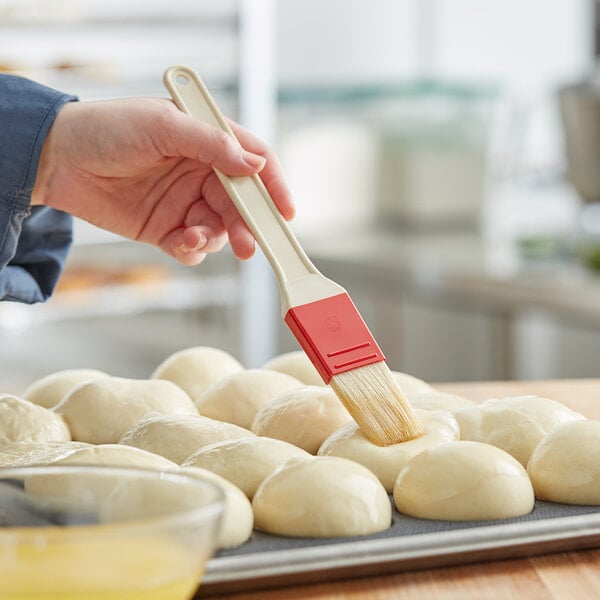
x: 33, y: 241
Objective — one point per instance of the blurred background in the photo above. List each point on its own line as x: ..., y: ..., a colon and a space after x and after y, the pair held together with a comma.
x: 444, y: 156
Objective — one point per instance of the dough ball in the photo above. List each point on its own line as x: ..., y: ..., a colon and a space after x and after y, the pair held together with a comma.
x: 101, y: 484
x: 24, y: 421
x: 246, y: 461
x: 565, y: 466
x: 116, y: 455
x: 386, y: 462
x: 194, y: 369
x: 51, y: 389
x: 237, y: 398
x: 410, y: 384
x: 464, y: 481
x: 176, y: 437
x: 25, y: 454
x: 101, y: 411
x: 515, y: 424
x: 324, y: 496
x: 237, y: 521
x: 296, y: 364
x: 303, y: 416
x: 434, y: 400
x: 123, y: 494
x: 157, y: 496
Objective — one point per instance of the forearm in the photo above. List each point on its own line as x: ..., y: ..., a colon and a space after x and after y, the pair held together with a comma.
x: 33, y: 243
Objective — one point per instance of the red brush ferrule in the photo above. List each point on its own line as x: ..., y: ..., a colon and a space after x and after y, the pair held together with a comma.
x: 333, y: 335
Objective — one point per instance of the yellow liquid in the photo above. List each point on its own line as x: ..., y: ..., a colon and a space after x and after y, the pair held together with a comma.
x: 147, y: 569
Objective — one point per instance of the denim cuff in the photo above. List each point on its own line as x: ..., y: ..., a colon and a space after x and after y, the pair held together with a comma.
x: 34, y: 242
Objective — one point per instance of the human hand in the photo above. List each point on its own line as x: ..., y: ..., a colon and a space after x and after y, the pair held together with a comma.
x: 143, y: 169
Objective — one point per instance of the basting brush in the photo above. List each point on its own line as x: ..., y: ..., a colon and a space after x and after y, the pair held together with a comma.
x: 318, y: 311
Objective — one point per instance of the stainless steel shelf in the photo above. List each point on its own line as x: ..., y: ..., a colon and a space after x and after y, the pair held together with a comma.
x: 122, y: 300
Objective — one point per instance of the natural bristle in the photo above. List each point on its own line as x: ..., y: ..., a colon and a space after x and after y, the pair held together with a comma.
x: 373, y: 398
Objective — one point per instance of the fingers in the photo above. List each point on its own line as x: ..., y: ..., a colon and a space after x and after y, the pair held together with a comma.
x: 271, y: 174
x: 241, y: 240
x: 174, y: 245
x: 240, y: 237
x: 201, y: 238
x: 204, y: 143
x: 191, y: 245
x: 203, y: 231
x: 186, y: 245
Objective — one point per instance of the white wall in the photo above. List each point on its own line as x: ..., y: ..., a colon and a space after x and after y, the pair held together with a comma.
x: 527, y: 48
x: 341, y: 41
x: 532, y: 44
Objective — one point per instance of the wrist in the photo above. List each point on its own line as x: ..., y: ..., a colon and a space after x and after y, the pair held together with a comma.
x: 40, y: 188
x: 48, y: 159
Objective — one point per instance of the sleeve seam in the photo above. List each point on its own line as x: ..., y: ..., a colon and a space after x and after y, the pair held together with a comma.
x: 15, y: 201
x: 21, y: 192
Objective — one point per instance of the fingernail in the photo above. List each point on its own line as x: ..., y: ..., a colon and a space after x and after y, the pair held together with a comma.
x: 253, y: 160
x: 183, y: 249
x: 202, y: 241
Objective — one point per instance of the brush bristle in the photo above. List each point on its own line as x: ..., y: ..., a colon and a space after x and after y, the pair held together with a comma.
x: 373, y: 398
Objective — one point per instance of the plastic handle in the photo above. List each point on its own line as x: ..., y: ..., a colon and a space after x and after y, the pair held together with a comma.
x: 250, y: 196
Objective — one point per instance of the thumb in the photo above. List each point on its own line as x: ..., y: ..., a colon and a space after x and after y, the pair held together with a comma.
x: 207, y: 144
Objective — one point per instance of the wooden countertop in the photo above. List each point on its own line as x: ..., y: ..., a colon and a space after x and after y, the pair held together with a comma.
x: 572, y: 575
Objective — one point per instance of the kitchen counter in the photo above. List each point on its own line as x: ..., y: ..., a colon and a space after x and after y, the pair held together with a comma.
x: 552, y: 576
x: 459, y: 266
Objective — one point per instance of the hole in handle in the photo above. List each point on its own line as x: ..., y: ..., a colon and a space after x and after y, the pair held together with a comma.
x: 182, y: 79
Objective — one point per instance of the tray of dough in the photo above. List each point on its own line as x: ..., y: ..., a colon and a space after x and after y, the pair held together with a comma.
x: 267, y: 561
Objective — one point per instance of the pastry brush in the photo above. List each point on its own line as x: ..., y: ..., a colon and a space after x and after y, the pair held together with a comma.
x: 318, y: 311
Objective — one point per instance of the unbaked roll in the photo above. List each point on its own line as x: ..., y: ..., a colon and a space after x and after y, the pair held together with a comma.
x: 296, y: 364
x: 463, y: 481
x: 101, y: 411
x: 237, y: 521
x: 28, y: 454
x: 24, y: 421
x: 238, y: 518
x: 116, y: 455
x: 322, y: 496
x: 51, y: 389
x: 565, y: 466
x: 410, y: 384
x: 176, y: 437
x: 514, y: 424
x: 237, y: 398
x: 435, y: 400
x: 99, y: 482
x: 304, y: 416
x: 194, y: 369
x: 387, y: 461
x: 246, y: 462
x: 122, y: 494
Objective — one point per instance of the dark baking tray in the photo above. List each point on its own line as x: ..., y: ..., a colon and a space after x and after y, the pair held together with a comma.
x: 268, y: 561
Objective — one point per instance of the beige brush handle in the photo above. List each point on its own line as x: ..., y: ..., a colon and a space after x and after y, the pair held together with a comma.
x: 299, y: 280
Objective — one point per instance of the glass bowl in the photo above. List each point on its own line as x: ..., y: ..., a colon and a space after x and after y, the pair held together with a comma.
x: 98, y: 533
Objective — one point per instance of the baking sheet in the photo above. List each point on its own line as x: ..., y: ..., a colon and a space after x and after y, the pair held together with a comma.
x: 267, y: 561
